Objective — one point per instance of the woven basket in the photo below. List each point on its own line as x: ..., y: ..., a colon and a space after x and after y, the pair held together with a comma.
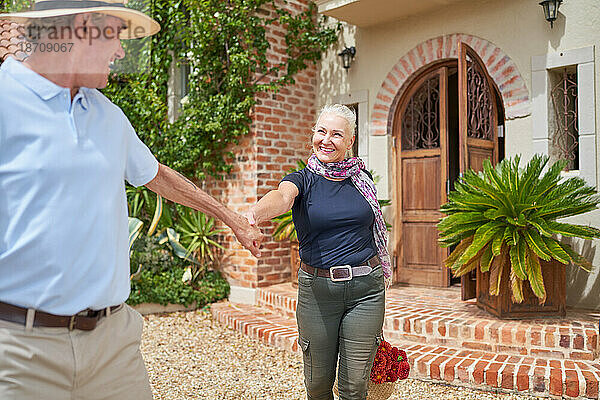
x: 376, y: 391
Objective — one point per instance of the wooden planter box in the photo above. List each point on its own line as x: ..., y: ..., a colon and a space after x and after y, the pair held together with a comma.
x: 294, y: 262
x: 502, y: 306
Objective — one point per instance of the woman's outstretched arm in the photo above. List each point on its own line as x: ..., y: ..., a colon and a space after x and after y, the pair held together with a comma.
x: 274, y: 203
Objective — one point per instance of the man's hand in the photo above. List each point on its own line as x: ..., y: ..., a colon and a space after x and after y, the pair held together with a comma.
x: 173, y: 186
x: 248, y: 235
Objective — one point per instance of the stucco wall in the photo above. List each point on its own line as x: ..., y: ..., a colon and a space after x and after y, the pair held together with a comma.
x: 516, y: 27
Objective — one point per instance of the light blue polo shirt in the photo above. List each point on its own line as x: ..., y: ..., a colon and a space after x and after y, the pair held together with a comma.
x: 63, y: 209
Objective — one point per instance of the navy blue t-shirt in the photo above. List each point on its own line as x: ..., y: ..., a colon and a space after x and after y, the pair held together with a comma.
x: 333, y: 220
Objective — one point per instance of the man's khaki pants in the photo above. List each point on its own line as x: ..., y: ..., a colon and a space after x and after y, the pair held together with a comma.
x: 58, y: 364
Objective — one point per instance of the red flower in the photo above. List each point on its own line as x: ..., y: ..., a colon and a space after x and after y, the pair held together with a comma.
x: 402, y: 355
x: 404, y: 370
x: 390, y: 364
x: 391, y: 377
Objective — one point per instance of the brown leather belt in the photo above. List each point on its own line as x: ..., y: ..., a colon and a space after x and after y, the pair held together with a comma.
x: 84, y: 322
x: 342, y: 272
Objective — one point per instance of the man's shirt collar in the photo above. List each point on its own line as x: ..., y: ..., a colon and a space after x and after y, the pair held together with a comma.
x: 29, y: 78
x: 41, y: 86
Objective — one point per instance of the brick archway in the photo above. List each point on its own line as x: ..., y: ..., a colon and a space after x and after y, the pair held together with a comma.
x: 502, y: 69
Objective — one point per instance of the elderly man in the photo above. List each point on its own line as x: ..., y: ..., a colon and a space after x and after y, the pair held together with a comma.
x: 65, y: 152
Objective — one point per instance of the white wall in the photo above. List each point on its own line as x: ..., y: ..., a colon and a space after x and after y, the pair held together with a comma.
x: 519, y: 29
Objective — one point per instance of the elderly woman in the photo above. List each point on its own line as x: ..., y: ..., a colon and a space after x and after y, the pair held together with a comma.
x: 345, y: 264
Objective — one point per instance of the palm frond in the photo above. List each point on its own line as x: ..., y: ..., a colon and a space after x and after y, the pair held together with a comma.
x: 511, y: 212
x: 496, y: 272
x: 573, y: 230
x: 451, y: 259
x: 516, y: 285
x: 558, y: 253
x: 535, y: 242
x: 486, y: 259
x: 534, y: 274
x: 482, y: 236
x: 577, y: 258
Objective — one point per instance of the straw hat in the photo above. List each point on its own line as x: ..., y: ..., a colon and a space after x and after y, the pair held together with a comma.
x: 138, y: 24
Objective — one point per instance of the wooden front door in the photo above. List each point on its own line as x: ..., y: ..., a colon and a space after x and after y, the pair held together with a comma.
x: 478, y: 121
x: 420, y: 135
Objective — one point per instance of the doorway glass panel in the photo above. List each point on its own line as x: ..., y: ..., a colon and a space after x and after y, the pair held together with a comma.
x: 421, y: 123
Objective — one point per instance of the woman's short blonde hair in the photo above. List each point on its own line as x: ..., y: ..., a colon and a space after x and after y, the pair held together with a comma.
x: 341, y: 111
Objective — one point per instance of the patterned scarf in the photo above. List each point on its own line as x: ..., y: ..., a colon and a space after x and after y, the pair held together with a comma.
x: 353, y: 168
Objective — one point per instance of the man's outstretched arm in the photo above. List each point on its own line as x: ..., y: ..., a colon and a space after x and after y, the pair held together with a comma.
x: 171, y: 185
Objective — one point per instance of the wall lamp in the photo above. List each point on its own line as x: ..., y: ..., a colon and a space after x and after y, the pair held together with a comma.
x: 347, y: 55
x: 551, y: 10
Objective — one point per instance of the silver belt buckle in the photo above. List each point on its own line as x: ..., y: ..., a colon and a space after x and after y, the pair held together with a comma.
x: 347, y: 278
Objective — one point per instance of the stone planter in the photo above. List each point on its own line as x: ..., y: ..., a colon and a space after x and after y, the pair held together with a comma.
x: 502, y: 306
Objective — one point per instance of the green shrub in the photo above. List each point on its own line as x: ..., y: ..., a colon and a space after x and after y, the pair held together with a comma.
x: 167, y: 287
x: 152, y: 256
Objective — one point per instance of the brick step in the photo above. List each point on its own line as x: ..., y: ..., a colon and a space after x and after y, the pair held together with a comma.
x: 281, y: 299
x: 510, y: 373
x: 258, y: 323
x: 445, y: 320
x: 508, y: 337
x: 460, y: 367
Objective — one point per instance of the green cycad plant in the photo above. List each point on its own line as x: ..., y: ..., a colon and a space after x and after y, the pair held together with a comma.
x: 285, y: 228
x: 507, y: 214
x: 199, y: 237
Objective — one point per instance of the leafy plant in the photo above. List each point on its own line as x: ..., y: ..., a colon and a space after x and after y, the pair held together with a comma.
x: 143, y: 203
x: 198, y: 236
x: 507, y: 214
x: 148, y: 253
x: 166, y: 287
x: 135, y: 228
x: 284, y: 228
x: 137, y: 198
x: 198, y: 230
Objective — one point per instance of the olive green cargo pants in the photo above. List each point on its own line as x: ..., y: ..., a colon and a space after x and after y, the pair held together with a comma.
x: 342, y: 319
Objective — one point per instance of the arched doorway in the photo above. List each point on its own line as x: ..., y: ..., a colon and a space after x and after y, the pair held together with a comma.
x: 449, y: 117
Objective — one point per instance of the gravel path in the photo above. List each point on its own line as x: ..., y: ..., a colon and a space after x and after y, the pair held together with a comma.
x: 190, y: 356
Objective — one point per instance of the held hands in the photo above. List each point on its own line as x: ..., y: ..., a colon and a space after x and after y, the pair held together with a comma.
x: 248, y: 234
x: 250, y: 217
x: 252, y: 220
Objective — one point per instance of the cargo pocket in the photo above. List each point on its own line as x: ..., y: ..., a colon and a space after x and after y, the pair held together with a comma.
x: 305, y: 346
x: 369, y: 365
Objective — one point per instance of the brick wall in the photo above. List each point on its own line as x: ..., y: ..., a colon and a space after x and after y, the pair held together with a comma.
x: 279, y: 136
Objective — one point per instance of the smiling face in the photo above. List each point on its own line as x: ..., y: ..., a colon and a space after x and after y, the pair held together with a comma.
x: 331, y: 138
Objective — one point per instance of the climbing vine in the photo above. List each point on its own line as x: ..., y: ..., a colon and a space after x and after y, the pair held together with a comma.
x: 225, y: 46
